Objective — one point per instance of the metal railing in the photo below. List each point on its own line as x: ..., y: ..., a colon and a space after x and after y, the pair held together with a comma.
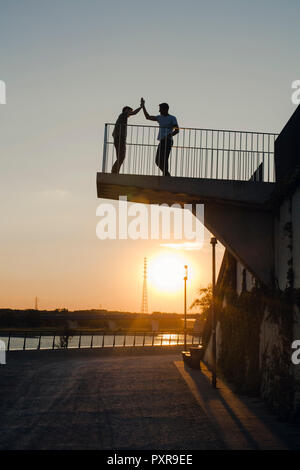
x: 197, y: 153
x: 85, y: 340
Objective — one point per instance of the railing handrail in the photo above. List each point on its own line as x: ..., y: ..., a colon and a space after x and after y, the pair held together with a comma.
x: 198, y: 129
x: 193, y: 152
x: 76, y: 332
x: 202, y: 148
x: 23, y: 336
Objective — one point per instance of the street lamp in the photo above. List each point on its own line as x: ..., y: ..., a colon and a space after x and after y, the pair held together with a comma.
x: 213, y: 242
x: 185, y: 279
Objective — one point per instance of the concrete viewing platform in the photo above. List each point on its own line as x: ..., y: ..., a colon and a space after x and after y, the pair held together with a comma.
x: 180, y: 190
x: 231, y: 172
x: 238, y: 213
x: 139, y: 399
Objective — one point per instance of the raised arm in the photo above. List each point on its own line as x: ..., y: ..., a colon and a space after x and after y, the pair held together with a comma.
x: 147, y: 116
x: 137, y: 110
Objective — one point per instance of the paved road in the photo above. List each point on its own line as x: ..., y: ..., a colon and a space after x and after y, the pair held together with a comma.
x: 98, y: 400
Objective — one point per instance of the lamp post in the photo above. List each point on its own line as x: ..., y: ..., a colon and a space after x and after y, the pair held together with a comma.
x: 213, y: 242
x: 185, y: 279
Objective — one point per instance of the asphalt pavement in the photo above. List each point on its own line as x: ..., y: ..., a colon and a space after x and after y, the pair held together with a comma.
x: 127, y: 399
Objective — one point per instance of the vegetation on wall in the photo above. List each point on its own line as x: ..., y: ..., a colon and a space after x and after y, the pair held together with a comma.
x: 239, y: 358
x: 241, y: 318
x: 203, y: 302
x: 288, y: 231
x: 278, y: 384
x: 277, y: 374
x: 240, y: 325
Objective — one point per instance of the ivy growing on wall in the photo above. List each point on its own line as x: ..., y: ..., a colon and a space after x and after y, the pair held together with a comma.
x: 278, y: 381
x: 241, y: 317
x: 288, y: 231
x: 239, y: 358
x: 240, y: 324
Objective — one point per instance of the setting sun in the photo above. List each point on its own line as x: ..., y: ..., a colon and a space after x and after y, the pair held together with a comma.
x: 166, y: 272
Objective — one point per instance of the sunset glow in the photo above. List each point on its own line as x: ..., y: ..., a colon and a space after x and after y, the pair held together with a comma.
x: 166, y: 272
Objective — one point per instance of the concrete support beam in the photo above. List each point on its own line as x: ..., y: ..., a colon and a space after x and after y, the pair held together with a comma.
x: 236, y: 212
x: 247, y: 233
x: 183, y: 189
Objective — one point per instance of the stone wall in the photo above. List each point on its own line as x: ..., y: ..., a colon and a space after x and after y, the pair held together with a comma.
x: 257, y: 321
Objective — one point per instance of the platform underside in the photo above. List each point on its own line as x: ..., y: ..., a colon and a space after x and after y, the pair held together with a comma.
x: 238, y: 213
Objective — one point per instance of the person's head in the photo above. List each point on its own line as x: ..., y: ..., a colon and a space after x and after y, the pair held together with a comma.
x: 164, y: 109
x: 127, y: 110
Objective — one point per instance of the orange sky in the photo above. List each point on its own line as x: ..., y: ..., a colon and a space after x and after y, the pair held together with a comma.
x: 70, y: 67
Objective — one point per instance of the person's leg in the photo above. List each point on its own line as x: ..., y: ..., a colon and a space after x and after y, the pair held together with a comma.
x: 168, y: 147
x: 161, y: 154
x: 158, y: 153
x: 120, y: 146
x: 115, y: 165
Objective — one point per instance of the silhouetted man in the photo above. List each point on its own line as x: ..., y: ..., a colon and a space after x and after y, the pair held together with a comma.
x: 168, y: 127
x: 119, y: 134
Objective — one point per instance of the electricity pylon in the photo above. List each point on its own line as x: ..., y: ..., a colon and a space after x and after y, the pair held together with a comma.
x: 144, y: 308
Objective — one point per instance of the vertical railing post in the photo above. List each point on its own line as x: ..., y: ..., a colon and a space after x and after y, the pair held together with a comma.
x: 92, y: 338
x: 134, y: 338
x: 153, y: 339
x: 213, y: 314
x: 79, y: 344
x: 104, y: 149
x: 103, y: 339
x: 53, y: 343
x: 124, y: 343
x: 39, y: 343
x: 114, y: 341
x: 8, y: 342
x: 198, y: 153
x: 185, y: 323
x: 24, y: 344
x: 144, y: 339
